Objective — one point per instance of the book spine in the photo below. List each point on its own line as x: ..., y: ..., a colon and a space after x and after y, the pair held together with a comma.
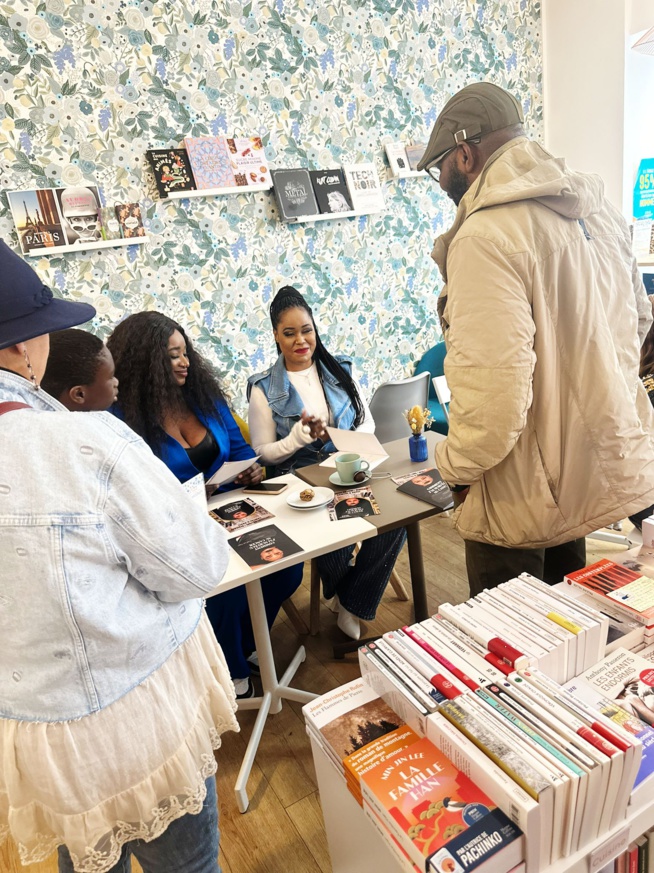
x: 485, y: 636
x: 421, y: 662
x: 425, y: 698
x: 443, y: 661
x: 405, y: 671
x: 474, y: 645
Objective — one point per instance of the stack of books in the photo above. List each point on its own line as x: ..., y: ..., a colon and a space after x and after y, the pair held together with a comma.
x: 302, y: 193
x: 433, y: 816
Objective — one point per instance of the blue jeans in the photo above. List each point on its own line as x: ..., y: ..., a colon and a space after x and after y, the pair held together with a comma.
x: 188, y: 845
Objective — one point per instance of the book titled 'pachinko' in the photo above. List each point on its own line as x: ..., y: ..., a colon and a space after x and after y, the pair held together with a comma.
x: 443, y: 821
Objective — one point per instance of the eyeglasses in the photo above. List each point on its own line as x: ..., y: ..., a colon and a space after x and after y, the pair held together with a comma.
x: 435, y: 169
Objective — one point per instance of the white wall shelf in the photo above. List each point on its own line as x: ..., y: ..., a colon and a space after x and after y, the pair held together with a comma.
x: 330, y: 216
x: 216, y: 192
x: 411, y: 174
x: 100, y: 244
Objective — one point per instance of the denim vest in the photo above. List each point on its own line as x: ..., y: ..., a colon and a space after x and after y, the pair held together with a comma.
x: 286, y: 406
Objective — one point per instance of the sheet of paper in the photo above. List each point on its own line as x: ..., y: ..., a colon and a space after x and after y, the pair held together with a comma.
x: 365, y: 444
x: 230, y: 470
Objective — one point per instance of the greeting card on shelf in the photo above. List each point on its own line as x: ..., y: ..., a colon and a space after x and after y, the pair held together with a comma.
x: 172, y: 170
x: 397, y: 158
x: 294, y: 193
x: 364, y: 187
x: 59, y: 220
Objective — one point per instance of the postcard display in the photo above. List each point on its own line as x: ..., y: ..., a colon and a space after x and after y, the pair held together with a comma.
x: 56, y: 220
x: 496, y: 736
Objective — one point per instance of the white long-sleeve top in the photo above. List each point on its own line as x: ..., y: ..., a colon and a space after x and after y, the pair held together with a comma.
x: 263, y: 432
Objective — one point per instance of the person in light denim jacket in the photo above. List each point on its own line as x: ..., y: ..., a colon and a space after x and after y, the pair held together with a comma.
x: 113, y: 690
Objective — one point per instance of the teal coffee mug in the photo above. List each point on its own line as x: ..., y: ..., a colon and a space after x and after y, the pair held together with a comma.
x: 348, y: 464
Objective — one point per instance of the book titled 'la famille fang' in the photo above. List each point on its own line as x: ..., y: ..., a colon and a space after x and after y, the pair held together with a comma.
x: 442, y: 820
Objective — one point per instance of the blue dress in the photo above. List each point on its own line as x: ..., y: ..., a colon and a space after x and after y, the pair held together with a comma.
x: 228, y: 612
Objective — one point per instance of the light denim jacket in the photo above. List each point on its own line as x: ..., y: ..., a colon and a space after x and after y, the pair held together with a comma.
x: 104, y: 559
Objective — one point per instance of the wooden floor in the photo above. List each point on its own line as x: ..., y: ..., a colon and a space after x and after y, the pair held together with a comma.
x: 283, y: 830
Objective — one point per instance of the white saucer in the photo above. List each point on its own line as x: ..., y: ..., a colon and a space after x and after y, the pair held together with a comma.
x: 322, y: 496
x: 335, y: 479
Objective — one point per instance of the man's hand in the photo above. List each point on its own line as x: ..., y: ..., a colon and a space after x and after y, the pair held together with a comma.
x: 252, y: 476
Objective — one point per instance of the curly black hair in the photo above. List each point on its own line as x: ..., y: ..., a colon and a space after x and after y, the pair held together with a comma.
x: 148, y: 392
x: 289, y: 297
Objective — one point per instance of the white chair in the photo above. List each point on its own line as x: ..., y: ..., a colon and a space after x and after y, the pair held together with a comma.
x: 443, y: 393
x: 391, y: 399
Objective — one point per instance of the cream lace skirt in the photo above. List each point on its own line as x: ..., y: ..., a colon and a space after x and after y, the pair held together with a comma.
x: 123, y: 773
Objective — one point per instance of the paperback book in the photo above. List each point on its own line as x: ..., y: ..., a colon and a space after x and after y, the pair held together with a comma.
x: 330, y: 190
x: 630, y: 590
x: 397, y: 157
x: 353, y: 503
x: 110, y: 226
x: 627, y: 679
x: 445, y: 823
x: 172, y: 170
x: 427, y: 485
x: 294, y: 193
x: 37, y: 218
x: 239, y: 514
x: 130, y: 219
x: 248, y: 160
x: 264, y: 546
x: 405, y: 477
x: 211, y: 161
x: 364, y: 187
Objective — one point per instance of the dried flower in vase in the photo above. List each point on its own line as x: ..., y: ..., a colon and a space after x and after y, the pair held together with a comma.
x: 418, y: 419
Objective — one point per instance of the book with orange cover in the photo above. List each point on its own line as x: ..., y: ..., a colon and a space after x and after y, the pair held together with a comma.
x: 444, y: 822
x: 379, y: 750
x: 624, y: 588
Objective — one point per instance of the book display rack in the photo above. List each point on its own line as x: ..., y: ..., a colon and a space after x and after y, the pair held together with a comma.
x: 487, y: 686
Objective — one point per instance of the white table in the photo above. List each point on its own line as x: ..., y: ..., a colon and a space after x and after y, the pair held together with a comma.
x: 313, y: 531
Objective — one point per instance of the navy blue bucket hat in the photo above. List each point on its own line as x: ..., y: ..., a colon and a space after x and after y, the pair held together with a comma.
x: 27, y: 306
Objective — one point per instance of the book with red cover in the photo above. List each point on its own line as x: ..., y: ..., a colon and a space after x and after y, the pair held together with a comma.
x: 444, y: 822
x: 624, y: 588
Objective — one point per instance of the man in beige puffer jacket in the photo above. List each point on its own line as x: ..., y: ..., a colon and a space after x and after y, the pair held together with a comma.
x: 543, y: 314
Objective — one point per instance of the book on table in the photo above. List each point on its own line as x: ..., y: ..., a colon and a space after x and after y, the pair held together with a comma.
x: 210, y: 159
x: 294, y: 193
x: 172, y: 170
x: 444, y: 822
x: 353, y: 503
x: 264, y: 546
x: 428, y: 485
x: 629, y: 590
x: 330, y: 190
x: 239, y: 514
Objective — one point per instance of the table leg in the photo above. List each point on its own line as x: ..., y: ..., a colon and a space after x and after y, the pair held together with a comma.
x: 414, y: 544
x: 274, y: 689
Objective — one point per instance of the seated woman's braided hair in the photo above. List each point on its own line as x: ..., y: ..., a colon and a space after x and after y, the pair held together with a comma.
x: 289, y: 297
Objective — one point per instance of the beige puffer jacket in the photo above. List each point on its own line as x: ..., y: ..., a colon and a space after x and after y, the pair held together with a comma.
x: 543, y: 315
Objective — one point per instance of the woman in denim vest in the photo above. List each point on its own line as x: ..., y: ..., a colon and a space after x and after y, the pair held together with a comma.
x: 171, y: 397
x: 113, y: 690
x: 291, y: 403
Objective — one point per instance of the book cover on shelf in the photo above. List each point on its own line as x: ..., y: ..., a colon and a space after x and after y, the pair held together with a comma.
x: 239, y: 514
x: 172, y: 170
x: 440, y: 817
x: 353, y: 503
x: 414, y: 153
x: 627, y: 679
x: 397, y: 157
x: 79, y: 208
x: 294, y: 193
x: 264, y: 546
x: 130, y: 219
x: 330, y: 190
x: 110, y: 226
x: 428, y: 485
x: 364, y: 187
x: 210, y: 160
x: 37, y: 219
x: 248, y: 160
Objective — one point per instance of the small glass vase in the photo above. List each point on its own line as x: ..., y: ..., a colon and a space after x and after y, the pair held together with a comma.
x: 418, y: 447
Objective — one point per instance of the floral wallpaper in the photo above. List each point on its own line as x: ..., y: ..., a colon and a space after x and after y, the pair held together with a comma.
x: 86, y: 86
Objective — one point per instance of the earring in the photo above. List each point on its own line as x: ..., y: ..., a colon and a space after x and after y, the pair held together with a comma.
x: 30, y: 370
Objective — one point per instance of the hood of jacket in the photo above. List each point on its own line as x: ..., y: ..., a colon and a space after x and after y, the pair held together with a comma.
x: 523, y: 170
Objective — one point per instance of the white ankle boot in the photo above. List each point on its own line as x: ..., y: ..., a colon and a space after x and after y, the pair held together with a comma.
x: 348, y: 623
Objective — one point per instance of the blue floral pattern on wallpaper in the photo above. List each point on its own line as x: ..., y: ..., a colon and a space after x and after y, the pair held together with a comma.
x: 87, y: 87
